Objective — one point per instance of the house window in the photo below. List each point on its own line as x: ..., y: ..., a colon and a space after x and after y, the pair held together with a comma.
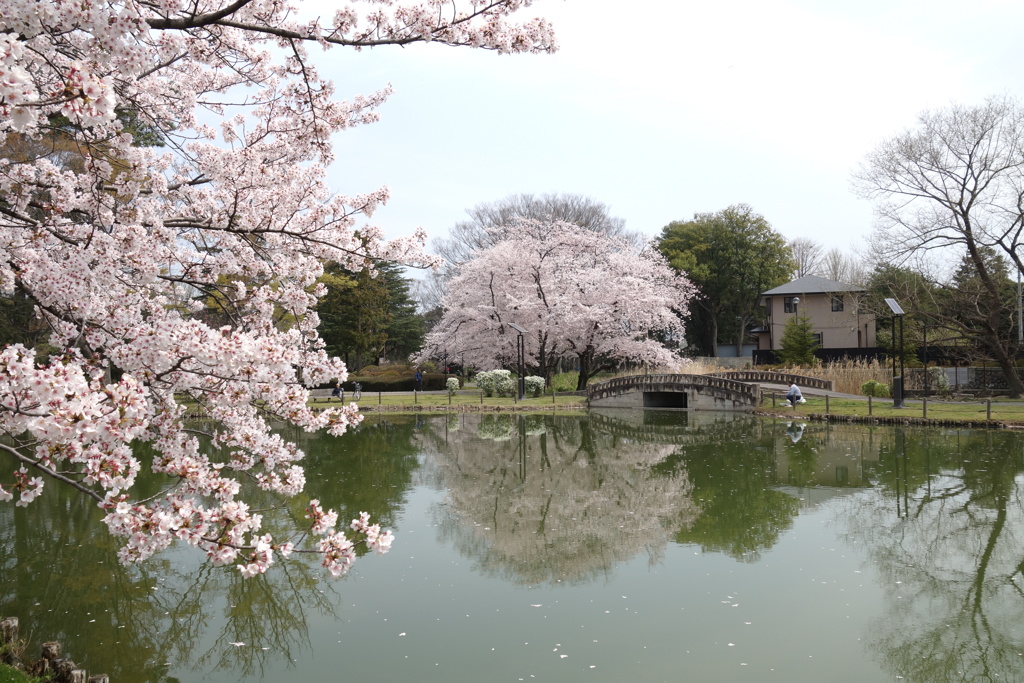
x: 818, y: 340
x: 837, y: 302
x: 789, y: 304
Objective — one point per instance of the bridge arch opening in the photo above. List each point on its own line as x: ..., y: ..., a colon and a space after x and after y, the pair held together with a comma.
x: 665, y: 399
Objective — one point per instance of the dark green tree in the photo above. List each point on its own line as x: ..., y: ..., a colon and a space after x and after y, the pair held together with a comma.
x: 368, y: 314
x: 407, y: 327
x: 731, y: 256
x: 798, y: 342
x: 968, y: 315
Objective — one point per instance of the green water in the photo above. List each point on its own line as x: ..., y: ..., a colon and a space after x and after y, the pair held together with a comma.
x: 657, y: 546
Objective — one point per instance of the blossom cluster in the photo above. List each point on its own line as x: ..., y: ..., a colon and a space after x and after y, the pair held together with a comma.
x: 579, y: 294
x: 175, y: 262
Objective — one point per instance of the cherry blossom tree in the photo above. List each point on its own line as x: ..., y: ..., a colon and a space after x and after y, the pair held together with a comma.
x: 580, y: 294
x: 200, y: 133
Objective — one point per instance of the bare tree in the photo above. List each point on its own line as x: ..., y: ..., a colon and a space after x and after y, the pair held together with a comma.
x: 954, y: 186
x: 842, y: 266
x: 808, y: 254
x: 489, y: 222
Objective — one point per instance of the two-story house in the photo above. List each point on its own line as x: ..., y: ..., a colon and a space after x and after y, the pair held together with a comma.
x: 840, y: 324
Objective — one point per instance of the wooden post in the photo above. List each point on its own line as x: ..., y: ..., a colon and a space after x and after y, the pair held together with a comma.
x: 380, y: 397
x: 99, y: 678
x: 415, y: 396
x: 869, y: 406
x: 449, y: 398
x: 988, y: 409
x: 64, y: 670
x: 8, y: 630
x: 51, y: 650
x: 826, y: 404
x: 773, y: 399
x: 552, y: 394
x: 924, y: 407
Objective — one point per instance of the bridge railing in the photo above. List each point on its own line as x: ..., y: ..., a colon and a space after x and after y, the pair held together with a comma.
x: 620, y: 385
x: 771, y: 377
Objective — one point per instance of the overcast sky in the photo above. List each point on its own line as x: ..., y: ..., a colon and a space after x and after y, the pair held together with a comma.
x: 665, y: 108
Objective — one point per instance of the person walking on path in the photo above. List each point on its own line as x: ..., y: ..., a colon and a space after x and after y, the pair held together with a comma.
x: 419, y: 380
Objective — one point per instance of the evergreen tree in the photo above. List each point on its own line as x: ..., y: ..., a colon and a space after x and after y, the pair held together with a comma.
x: 367, y: 315
x: 798, y: 342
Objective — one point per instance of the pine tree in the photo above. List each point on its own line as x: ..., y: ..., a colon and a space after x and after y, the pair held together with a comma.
x: 798, y: 342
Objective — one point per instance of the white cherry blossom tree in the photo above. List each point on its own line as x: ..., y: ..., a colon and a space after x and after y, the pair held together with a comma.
x: 193, y: 139
x: 580, y: 294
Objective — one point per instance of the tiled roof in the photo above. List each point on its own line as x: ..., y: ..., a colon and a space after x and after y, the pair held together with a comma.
x: 812, y: 284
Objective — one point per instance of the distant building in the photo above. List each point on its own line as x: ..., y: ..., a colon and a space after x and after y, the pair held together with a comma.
x: 840, y: 325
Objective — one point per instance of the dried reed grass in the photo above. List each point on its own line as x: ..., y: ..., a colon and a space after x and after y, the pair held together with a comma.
x: 847, y: 376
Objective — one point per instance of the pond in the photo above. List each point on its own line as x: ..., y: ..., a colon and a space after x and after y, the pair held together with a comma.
x: 606, y: 546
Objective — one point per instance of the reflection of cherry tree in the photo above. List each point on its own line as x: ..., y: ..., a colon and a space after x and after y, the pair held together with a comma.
x: 176, y: 608
x: 950, y: 552
x: 129, y: 621
x: 562, y: 505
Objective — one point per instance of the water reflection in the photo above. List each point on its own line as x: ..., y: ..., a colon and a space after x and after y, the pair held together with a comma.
x: 564, y: 504
x: 61, y: 576
x: 535, y: 499
x: 951, y: 556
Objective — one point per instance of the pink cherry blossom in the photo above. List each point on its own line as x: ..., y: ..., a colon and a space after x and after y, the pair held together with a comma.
x: 182, y: 276
x: 579, y: 294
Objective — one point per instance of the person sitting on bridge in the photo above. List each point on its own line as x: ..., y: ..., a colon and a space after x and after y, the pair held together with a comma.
x: 793, y: 395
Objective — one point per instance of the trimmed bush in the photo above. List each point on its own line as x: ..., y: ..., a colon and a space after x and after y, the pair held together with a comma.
x: 431, y: 382
x: 496, y: 382
x: 876, y: 389
x: 534, y: 385
x: 452, y: 385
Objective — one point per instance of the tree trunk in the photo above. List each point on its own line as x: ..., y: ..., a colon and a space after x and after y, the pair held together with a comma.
x: 714, y: 336
x: 586, y: 359
x: 542, y: 359
x: 741, y: 336
x: 996, y: 343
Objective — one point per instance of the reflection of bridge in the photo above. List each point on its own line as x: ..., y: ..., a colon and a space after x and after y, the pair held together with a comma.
x: 680, y: 429
x: 722, y: 391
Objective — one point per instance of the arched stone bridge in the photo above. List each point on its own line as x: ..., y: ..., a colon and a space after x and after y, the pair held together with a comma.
x: 702, y: 392
x: 740, y: 390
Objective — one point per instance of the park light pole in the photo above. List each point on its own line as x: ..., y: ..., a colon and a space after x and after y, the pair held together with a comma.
x: 897, y: 382
x: 521, y: 353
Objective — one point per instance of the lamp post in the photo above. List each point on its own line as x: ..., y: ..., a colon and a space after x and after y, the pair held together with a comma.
x: 521, y: 353
x: 897, y: 382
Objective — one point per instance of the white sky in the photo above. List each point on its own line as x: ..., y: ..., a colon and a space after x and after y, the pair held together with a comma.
x: 663, y: 108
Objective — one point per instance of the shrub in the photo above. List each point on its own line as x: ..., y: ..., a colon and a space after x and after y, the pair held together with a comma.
x: 452, y: 385
x: 534, y: 385
x: 431, y: 382
x: 874, y: 388
x: 565, y: 381
x: 496, y: 382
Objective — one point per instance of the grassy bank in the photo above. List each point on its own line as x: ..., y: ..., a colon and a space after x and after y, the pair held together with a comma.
x: 11, y: 675
x: 1005, y: 411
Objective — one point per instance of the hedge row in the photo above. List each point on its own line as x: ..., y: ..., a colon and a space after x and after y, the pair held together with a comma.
x: 432, y: 381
